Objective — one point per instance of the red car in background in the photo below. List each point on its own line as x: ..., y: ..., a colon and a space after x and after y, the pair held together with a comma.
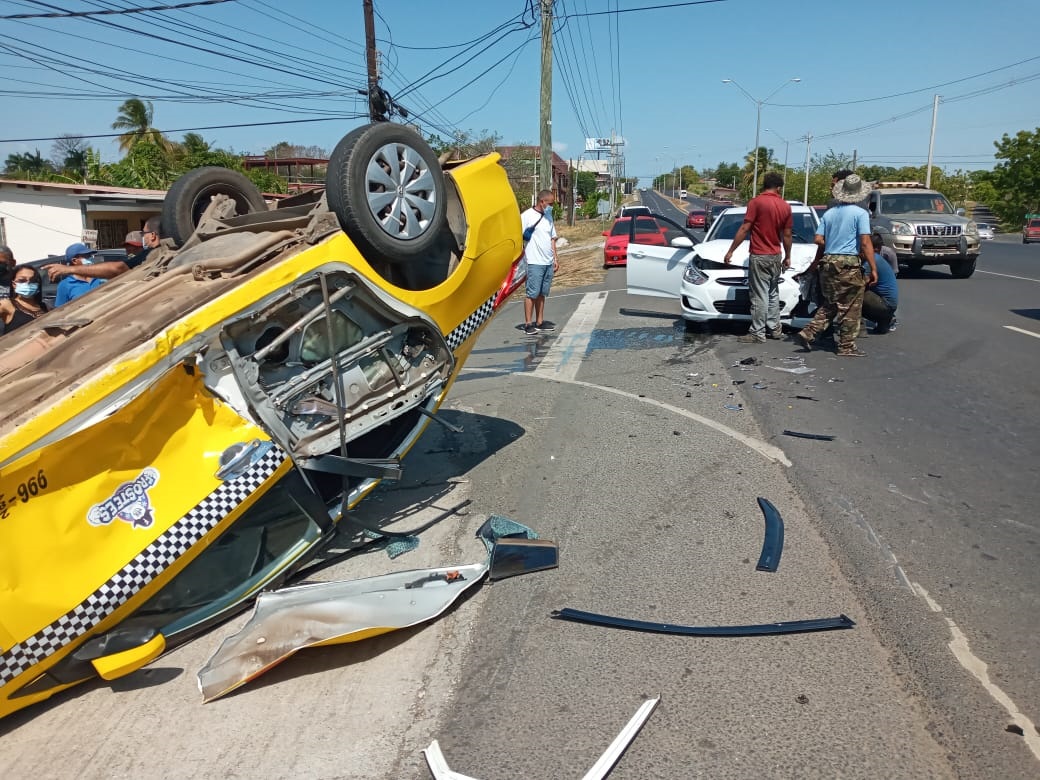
x: 697, y: 218
x: 615, y: 249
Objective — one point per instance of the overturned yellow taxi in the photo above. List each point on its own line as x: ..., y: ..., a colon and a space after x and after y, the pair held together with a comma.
x: 191, y: 432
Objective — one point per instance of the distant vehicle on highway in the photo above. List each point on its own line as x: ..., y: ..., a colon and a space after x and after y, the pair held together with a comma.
x: 697, y: 218
x: 682, y: 194
x: 986, y: 232
x: 631, y: 211
x: 647, y: 231
x: 1031, y: 230
x: 709, y: 289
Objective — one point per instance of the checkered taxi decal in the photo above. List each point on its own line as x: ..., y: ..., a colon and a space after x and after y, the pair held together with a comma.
x: 471, y: 324
x: 151, y: 562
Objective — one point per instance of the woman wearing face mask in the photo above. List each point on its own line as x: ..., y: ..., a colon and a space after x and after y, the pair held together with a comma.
x: 25, y: 303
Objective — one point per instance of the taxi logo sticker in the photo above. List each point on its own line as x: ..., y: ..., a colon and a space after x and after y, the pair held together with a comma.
x: 129, y: 503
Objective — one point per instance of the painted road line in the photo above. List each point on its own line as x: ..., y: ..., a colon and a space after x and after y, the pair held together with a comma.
x: 961, y: 650
x: 569, y: 348
x: 1009, y: 276
x: 1020, y: 330
x: 767, y: 451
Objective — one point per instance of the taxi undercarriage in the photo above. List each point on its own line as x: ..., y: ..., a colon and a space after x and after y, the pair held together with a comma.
x: 193, y: 431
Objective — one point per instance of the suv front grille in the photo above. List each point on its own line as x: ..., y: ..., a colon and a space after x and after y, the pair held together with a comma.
x: 938, y: 230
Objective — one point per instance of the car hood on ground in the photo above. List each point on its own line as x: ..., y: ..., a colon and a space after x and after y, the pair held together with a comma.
x: 802, y: 255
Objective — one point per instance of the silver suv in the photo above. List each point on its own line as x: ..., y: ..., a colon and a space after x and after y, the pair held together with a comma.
x: 924, y: 229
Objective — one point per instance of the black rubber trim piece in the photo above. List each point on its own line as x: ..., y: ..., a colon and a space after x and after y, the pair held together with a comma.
x: 773, y: 543
x: 817, y: 436
x: 763, y: 629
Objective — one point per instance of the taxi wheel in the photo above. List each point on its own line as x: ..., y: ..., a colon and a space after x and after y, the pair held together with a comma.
x: 191, y: 193
x: 386, y: 187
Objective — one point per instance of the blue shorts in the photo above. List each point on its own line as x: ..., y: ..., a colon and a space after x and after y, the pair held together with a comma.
x: 539, y: 279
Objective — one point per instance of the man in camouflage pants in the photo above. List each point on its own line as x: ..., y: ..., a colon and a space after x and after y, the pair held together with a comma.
x: 842, y: 237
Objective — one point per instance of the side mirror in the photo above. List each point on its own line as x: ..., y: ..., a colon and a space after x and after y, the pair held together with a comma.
x: 510, y: 557
x: 960, y: 212
x: 682, y: 242
x: 606, y: 232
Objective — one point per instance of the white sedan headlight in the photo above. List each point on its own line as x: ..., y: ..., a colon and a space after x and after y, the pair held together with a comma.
x: 693, y: 274
x: 903, y: 229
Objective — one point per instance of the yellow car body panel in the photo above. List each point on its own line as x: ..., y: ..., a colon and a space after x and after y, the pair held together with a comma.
x: 118, y: 465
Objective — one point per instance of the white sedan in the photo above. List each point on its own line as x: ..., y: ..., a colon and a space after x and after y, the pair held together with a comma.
x: 709, y: 289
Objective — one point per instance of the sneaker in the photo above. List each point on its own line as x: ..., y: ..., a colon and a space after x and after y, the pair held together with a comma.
x: 776, y: 333
x: 530, y: 330
x: 751, y: 338
x: 851, y: 353
x: 547, y: 326
x: 802, y: 340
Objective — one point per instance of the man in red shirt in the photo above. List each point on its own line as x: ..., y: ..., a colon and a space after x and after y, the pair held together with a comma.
x: 768, y: 219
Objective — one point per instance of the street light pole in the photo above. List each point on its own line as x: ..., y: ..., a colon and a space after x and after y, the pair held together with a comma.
x: 787, y: 146
x: 758, y: 118
x: 808, y: 143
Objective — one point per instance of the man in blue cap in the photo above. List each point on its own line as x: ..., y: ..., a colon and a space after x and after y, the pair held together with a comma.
x: 74, y: 285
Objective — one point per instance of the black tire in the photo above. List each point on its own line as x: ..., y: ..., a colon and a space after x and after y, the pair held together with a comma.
x: 962, y: 269
x: 190, y: 195
x: 364, y: 164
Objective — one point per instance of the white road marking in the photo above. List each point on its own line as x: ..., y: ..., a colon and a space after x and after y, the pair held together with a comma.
x: 1009, y: 276
x: 568, y: 350
x: 962, y: 652
x: 767, y: 451
x: 1020, y: 330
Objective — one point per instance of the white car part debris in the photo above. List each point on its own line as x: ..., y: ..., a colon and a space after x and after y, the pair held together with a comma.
x: 441, y: 771
x: 798, y: 370
x: 328, y: 613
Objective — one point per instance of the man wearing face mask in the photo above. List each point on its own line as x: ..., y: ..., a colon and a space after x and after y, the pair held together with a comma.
x: 75, y: 284
x: 138, y: 244
x: 7, y: 265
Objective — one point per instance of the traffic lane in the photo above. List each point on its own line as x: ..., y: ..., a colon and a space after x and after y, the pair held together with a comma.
x: 1019, y: 262
x: 663, y: 206
x: 937, y: 456
x: 656, y: 518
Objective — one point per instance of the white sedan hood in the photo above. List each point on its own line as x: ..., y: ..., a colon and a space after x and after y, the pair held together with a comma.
x: 802, y: 255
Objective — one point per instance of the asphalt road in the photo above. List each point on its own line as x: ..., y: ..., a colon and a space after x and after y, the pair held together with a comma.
x: 640, y: 450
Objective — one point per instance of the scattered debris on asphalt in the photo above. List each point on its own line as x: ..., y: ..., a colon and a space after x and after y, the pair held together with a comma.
x: 816, y: 436
x: 760, y: 386
x: 734, y: 407
x: 760, y: 629
x: 441, y: 771
x: 773, y: 542
x: 739, y: 381
x: 835, y: 379
x: 749, y: 361
x: 805, y: 398
x: 801, y: 698
x: 325, y: 613
x: 796, y: 370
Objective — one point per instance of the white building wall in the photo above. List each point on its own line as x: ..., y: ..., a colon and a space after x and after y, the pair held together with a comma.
x: 37, y: 225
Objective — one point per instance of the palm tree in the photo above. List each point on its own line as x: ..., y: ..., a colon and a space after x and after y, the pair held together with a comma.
x: 29, y: 164
x: 135, y: 116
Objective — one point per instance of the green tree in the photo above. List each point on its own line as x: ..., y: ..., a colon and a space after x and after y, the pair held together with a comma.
x: 135, y: 116
x: 1017, y: 176
x: 727, y: 174
x: 146, y: 166
x: 33, y: 167
x: 585, y: 183
x: 194, y: 143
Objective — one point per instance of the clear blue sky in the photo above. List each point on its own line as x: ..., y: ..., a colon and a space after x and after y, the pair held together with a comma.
x: 653, y: 76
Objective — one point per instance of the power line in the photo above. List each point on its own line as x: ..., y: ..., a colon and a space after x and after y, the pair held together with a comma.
x: 111, y: 11
x: 193, y: 129
x: 646, y: 8
x: 932, y: 88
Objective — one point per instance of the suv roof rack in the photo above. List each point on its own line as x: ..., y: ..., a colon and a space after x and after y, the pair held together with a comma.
x: 908, y: 184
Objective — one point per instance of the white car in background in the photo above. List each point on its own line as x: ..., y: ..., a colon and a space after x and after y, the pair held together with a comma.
x: 986, y: 232
x: 709, y: 289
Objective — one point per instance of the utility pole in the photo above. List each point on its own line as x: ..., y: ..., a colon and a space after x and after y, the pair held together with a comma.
x: 374, y: 97
x: 808, y: 143
x: 854, y: 153
x: 545, y: 104
x: 574, y: 194
x: 931, y: 143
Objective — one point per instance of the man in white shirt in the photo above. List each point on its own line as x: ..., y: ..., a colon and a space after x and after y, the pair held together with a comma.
x: 542, y: 263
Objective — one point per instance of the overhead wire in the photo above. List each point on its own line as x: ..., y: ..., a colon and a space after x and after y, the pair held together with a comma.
x: 74, y: 14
